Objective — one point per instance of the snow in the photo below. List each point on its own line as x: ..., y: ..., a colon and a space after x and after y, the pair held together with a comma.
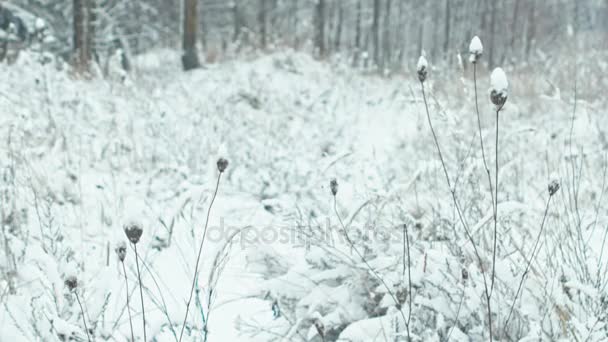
x: 475, y: 49
x: 91, y: 155
x: 475, y: 46
x: 422, y: 64
x: 499, y: 82
x: 39, y: 24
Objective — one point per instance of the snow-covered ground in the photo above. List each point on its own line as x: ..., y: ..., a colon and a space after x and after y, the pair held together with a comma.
x: 81, y: 158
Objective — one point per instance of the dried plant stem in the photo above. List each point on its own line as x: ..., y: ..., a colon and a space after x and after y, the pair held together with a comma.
x: 483, y: 151
x: 86, y: 329
x: 198, y: 258
x: 495, y: 206
x: 124, y: 269
x: 487, y: 169
x: 141, y: 291
x: 457, y: 314
x: 409, y: 271
x: 459, y: 210
x: 523, y: 276
x: 371, y: 269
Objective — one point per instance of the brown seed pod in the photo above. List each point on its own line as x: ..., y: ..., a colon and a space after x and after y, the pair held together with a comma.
x: 222, y: 164
x: 71, y: 282
x: 553, y: 187
x: 133, y: 230
x: 121, y: 250
x: 333, y: 185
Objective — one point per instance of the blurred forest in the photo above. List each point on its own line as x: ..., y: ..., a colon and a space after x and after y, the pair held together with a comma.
x: 377, y: 34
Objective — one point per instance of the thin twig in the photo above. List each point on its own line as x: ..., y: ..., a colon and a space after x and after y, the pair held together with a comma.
x: 457, y: 314
x: 198, y: 258
x: 523, y: 276
x: 487, y: 169
x: 495, y: 206
x: 459, y: 210
x: 141, y: 291
x: 86, y: 329
x: 128, y: 307
x: 409, y: 273
x: 483, y: 151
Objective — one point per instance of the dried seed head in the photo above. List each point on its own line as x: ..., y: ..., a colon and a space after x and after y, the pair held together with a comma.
x: 71, y: 282
x: 553, y: 187
x: 421, y: 68
x: 498, y: 99
x: 133, y: 231
x: 121, y: 250
x: 499, y: 87
x: 475, y: 49
x: 222, y: 164
x: 465, y: 274
x: 333, y: 185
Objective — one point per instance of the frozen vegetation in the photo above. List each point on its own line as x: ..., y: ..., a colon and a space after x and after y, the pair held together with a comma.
x: 333, y: 219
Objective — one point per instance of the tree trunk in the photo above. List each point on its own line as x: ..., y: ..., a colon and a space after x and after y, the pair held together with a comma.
x: 420, y: 37
x: 446, y: 42
x: 376, y: 32
x: 320, y: 27
x: 339, y: 27
x: 296, y: 41
x: 190, y: 57
x: 91, y: 30
x: 514, y: 25
x: 357, y: 35
x: 387, y: 35
x: 402, y: 38
x: 492, y: 35
x: 81, y: 55
x: 436, y: 48
x: 262, y: 23
x: 236, y: 21
x: 531, y: 29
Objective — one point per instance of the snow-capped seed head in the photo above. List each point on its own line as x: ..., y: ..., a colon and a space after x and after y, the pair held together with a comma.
x: 133, y: 230
x: 121, y: 250
x: 71, y: 282
x: 333, y: 185
x: 222, y: 164
x: 553, y: 187
x: 465, y: 274
x: 421, y: 68
x: 475, y: 49
x: 39, y: 24
x: 499, y: 87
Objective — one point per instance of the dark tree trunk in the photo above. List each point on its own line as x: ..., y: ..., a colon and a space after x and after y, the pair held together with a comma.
x: 402, y: 37
x: 190, y: 57
x: 387, y: 35
x: 81, y: 54
x: 236, y: 17
x: 262, y: 23
x: 92, y: 30
x: 320, y: 27
x: 357, y: 35
x: 446, y: 42
x: 338, y: 39
x: 296, y: 41
x: 420, y: 37
x: 531, y: 29
x: 376, y: 32
x: 436, y: 31
x: 492, y: 35
x: 514, y: 25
